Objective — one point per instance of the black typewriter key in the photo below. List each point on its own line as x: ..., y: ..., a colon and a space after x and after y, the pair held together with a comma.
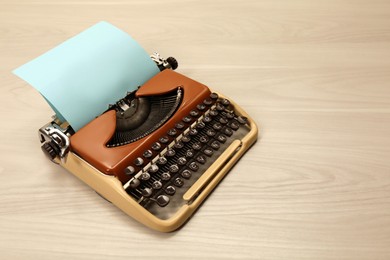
x: 162, y: 160
x: 223, y: 120
x: 139, y: 161
x: 201, y: 107
x: 147, y: 192
x: 193, y: 166
x: 172, y: 132
x: 145, y: 176
x: 129, y: 170
x: 148, y: 154
x: 215, y: 145
x: 187, y: 119
x: 170, y: 190
x: 227, y: 131
x: 200, y: 125
x: 179, y: 145
x: 185, y: 139
x: 207, y: 119
x: 165, y: 176
x: 222, y: 138
x: 242, y: 120
x: 190, y: 153
x: 179, y: 125
x: 164, y: 139
x: 201, y: 159
x: 181, y: 161
x: 153, y: 168
x: 225, y: 102
x: 230, y: 115
x: 193, y: 131
x: 208, y: 151
x: 156, y: 146
x: 186, y: 174
x: 208, y: 101
x: 134, y: 183
x: 213, y: 112
x: 174, y: 168
x: 220, y: 107
x: 157, y: 185
x: 162, y: 200
x: 210, y: 132
x: 194, y: 113
x: 170, y: 153
x: 217, y: 126
x: 197, y: 146
x: 204, y: 139
x: 178, y: 182
x: 214, y: 96
x: 234, y: 125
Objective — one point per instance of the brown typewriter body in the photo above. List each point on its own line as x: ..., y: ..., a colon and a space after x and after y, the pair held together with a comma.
x: 161, y: 170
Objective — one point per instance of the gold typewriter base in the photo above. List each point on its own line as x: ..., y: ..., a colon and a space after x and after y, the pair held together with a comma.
x: 111, y: 188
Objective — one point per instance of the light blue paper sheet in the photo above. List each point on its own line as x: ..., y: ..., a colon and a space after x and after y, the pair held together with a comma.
x: 82, y: 76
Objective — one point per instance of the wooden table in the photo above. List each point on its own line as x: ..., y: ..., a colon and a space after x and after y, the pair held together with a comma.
x: 315, y: 75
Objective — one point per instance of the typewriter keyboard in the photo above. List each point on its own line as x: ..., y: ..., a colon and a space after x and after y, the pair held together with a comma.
x: 185, y: 153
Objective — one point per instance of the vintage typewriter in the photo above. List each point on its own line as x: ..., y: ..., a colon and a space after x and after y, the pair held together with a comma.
x: 158, y: 152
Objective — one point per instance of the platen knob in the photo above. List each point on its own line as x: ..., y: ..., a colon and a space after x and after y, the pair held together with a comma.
x: 173, y: 62
x: 50, y: 150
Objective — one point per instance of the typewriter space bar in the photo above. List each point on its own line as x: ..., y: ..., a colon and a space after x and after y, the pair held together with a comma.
x: 213, y: 170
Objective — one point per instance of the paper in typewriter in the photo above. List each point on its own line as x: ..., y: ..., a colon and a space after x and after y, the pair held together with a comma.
x: 82, y: 76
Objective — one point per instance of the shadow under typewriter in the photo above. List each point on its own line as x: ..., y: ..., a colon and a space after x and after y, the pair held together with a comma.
x: 158, y: 152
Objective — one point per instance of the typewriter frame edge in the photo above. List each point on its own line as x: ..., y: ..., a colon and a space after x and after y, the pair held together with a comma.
x: 111, y: 188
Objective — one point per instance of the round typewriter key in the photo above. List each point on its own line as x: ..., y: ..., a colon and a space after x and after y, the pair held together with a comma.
x: 162, y: 160
x: 179, y: 145
x: 201, y: 159
x: 186, y: 174
x: 193, y: 166
x: 204, y: 139
x: 157, y: 185
x: 147, y: 192
x: 234, y: 125
x: 145, y: 176
x: 215, y: 145
x: 164, y: 139
x: 139, y: 161
x: 227, y: 131
x: 223, y: 120
x: 190, y: 153
x: 210, y: 132
x: 134, y: 183
x: 162, y: 200
x: 178, y: 182
x: 185, y: 139
x: 165, y: 176
x: 242, y: 120
x: 181, y: 161
x: 225, y: 102
x: 230, y: 115
x: 193, y: 131
x: 206, y: 119
x: 222, y: 138
x: 179, y: 125
x: 200, y: 125
x: 187, y: 119
x: 220, y: 107
x: 207, y: 101
x: 153, y: 168
x: 213, y: 112
x: 174, y: 168
x: 170, y: 190
x: 217, y: 126
x: 208, y: 151
x: 214, y: 96
x: 197, y: 146
x: 129, y: 170
x: 194, y: 113
x: 172, y: 132
x: 148, y: 154
x: 156, y: 146
x: 201, y: 107
x: 170, y: 153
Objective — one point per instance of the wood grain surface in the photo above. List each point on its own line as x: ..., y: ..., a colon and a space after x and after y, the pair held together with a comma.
x: 315, y: 75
